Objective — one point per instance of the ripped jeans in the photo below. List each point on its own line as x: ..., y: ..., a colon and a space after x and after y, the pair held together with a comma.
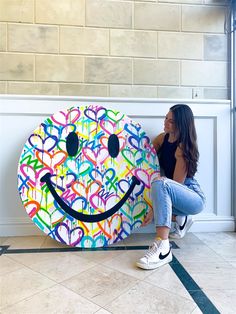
x: 170, y: 197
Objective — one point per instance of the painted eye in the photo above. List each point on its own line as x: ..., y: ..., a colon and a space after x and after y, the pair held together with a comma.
x: 72, y: 144
x: 113, y: 145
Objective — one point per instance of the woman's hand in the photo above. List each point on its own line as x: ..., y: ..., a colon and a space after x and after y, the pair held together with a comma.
x: 148, y: 218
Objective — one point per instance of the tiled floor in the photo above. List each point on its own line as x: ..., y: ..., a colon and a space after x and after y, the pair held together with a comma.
x: 107, y: 281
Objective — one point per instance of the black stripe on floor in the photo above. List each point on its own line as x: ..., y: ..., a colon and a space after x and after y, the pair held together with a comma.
x: 7, y: 250
x: 3, y: 249
x: 199, y: 297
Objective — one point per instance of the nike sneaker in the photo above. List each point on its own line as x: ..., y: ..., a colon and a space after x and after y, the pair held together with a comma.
x: 181, y: 229
x: 158, y: 254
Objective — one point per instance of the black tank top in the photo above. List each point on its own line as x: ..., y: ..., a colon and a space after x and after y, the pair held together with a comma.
x: 167, y: 158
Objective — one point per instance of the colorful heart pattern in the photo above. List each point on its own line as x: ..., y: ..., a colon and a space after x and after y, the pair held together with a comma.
x: 91, y: 180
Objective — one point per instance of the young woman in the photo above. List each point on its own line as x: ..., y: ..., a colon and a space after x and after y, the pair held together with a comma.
x: 177, y: 194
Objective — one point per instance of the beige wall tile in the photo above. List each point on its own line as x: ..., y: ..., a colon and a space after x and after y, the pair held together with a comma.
x: 33, y: 38
x: 133, y: 91
x: 17, y: 10
x: 161, y: 72
x: 16, y: 67
x: 105, y: 13
x: 3, y: 87
x: 84, y: 41
x: 216, y: 47
x: 108, y: 70
x: 33, y: 88
x: 203, y: 19
x: 157, y: 16
x: 84, y: 90
x: 65, y: 12
x: 204, y: 73
x: 3, y: 37
x: 174, y: 92
x: 59, y: 68
x: 216, y: 93
x: 133, y: 43
x: 180, y: 45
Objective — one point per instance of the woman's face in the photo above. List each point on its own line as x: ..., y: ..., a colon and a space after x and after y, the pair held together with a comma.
x: 169, y: 123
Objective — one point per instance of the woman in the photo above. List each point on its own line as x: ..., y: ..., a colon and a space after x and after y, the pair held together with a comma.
x: 176, y: 195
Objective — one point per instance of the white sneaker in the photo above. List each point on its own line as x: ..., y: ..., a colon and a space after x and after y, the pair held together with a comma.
x: 158, y: 254
x: 181, y: 230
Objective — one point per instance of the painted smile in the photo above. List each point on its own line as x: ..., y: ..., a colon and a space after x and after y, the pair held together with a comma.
x: 84, y: 217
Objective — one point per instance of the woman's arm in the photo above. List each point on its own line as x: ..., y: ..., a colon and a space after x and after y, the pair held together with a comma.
x: 158, y: 141
x: 180, y: 172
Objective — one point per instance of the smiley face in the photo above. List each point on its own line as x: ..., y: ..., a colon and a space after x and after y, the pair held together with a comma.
x: 85, y: 174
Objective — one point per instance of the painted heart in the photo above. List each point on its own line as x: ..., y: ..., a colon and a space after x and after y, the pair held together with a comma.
x: 133, y: 129
x: 138, y: 143
x: 129, y: 156
x: 115, y: 116
x: 139, y: 209
x: 95, y: 113
x: 51, y: 160
x: 143, y: 176
x: 86, y: 190
x: 106, y: 177
x: 67, y: 235
x: 90, y: 242
x: 107, y: 126
x: 28, y: 173
x: 63, y: 118
x: 63, y: 181
x: 43, y: 144
x: 32, y: 207
x: 51, y: 130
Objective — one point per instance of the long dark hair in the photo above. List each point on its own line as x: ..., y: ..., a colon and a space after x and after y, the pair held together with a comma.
x: 184, y: 123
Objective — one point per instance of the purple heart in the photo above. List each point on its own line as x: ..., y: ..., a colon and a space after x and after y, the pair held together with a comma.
x: 64, y: 234
x: 42, y: 145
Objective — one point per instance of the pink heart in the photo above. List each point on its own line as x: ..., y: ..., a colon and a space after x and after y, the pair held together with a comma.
x: 143, y: 176
x: 66, y: 117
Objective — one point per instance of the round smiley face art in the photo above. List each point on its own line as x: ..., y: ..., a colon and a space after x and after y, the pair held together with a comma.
x: 85, y: 175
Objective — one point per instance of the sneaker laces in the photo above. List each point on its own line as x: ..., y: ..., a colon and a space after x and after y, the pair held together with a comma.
x: 152, y: 249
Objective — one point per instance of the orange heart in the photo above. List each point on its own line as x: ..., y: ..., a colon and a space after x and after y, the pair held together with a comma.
x: 51, y: 160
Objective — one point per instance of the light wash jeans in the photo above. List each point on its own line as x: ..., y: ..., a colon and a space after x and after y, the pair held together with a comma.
x: 170, y: 197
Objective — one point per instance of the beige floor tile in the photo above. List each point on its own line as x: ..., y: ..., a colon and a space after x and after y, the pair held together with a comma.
x: 206, y: 267
x: 223, y: 243
x: 194, y: 253
x: 103, y: 311
x: 51, y: 243
x: 165, y: 278
x: 100, y: 256
x: 210, y: 275
x: 100, y: 284
x: 125, y: 263
x: 197, y: 311
x: 217, y: 237
x: 189, y: 240
x: 20, y: 284
x: 2, y: 240
x: 146, y: 298
x: 8, y: 265
x: 140, y: 239
x: 224, y: 300
x: 56, y: 266
x: 55, y: 300
x: 24, y: 242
